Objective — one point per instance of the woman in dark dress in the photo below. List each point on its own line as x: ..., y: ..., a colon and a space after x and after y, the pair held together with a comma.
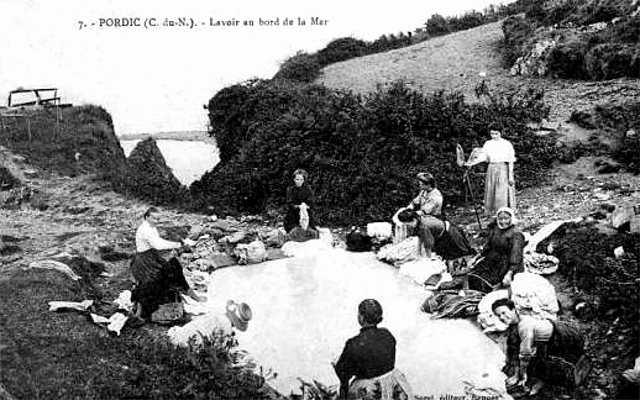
x: 300, y: 194
x: 366, y: 367
x: 502, y: 254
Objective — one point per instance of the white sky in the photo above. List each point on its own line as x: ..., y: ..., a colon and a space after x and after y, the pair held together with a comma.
x: 157, y: 79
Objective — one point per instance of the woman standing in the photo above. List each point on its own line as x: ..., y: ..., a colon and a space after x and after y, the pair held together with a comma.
x: 499, y: 189
x: 539, y: 351
x: 502, y: 254
x: 300, y: 201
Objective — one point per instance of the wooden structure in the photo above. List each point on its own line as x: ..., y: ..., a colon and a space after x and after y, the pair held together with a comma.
x: 22, y: 102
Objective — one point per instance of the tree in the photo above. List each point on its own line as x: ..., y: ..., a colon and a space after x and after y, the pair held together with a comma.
x: 437, y: 25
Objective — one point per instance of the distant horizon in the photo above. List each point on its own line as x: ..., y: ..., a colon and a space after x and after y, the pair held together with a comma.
x: 157, y: 78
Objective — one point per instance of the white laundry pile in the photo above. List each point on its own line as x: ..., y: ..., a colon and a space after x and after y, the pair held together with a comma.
x: 533, y: 295
x: 379, y: 230
x: 398, y: 253
x: 423, y: 268
x: 538, y: 263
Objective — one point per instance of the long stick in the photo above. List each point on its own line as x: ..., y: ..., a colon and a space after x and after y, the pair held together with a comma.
x: 473, y: 197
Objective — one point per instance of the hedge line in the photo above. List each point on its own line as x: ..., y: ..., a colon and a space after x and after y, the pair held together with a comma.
x: 362, y: 152
x: 305, y: 67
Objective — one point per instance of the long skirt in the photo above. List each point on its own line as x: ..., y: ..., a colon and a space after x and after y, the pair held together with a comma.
x: 497, y: 192
x: 390, y: 386
x: 157, y: 281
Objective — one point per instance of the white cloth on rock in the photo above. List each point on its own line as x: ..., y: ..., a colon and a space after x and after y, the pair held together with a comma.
x: 124, y: 301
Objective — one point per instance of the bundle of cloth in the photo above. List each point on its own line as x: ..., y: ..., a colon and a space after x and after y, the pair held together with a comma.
x: 453, y: 304
x: 424, y: 271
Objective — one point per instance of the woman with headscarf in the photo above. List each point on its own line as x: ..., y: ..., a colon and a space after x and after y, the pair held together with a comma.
x: 300, y: 203
x: 540, y: 351
x: 370, y: 358
x: 499, y: 189
x: 502, y: 255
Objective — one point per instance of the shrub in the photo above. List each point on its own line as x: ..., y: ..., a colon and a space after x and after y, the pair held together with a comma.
x: 342, y: 49
x: 517, y: 33
x: 437, y: 25
x: 566, y: 60
x: 302, y: 67
x: 611, y: 60
x: 363, y: 153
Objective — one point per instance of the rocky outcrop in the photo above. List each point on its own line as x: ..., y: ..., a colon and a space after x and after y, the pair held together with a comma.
x: 149, y: 177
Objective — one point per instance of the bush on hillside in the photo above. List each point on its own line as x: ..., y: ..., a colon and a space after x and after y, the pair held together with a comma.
x: 611, y: 60
x: 517, y: 33
x: 363, y: 153
x: 567, y: 59
x: 302, y: 67
x: 341, y: 49
x: 468, y: 20
x: 437, y: 25
x: 234, y: 110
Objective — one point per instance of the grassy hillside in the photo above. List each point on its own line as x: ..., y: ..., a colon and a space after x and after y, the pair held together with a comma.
x: 456, y: 62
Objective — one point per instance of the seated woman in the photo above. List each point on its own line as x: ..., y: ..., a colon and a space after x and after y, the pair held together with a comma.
x: 502, y: 255
x: 446, y: 239
x: 427, y: 205
x: 370, y: 357
x: 157, y: 281
x: 300, y: 202
x: 539, y: 351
